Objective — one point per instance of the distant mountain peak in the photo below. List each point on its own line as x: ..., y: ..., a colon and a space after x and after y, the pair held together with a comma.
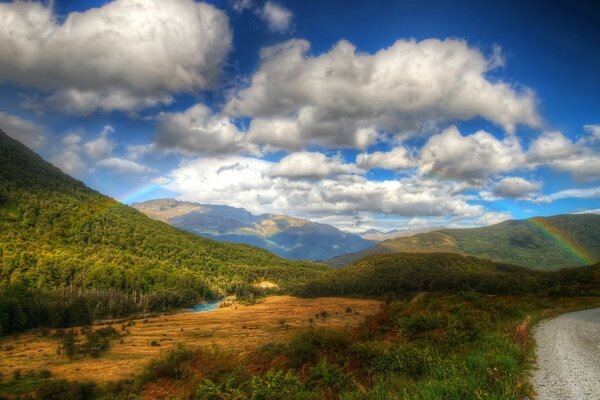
x: 286, y: 236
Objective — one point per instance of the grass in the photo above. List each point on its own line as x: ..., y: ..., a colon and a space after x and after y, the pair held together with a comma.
x: 243, y: 328
x: 447, y: 347
x: 431, y: 347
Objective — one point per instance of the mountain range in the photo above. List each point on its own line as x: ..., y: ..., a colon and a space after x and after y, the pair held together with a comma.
x: 292, y: 238
x: 541, y: 242
x: 379, y: 236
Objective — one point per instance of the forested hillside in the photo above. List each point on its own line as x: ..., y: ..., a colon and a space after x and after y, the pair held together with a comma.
x: 401, y: 274
x: 55, y: 233
x: 547, y: 243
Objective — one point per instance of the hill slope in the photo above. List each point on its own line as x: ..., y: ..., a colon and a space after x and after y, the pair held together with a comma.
x: 542, y: 242
x: 56, y: 232
x: 288, y: 237
x: 408, y: 273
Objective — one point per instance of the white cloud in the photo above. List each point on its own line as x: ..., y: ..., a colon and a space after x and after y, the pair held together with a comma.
x: 69, y: 162
x: 311, y: 165
x: 278, y: 18
x: 594, y: 211
x: 492, y: 217
x: 124, y: 165
x: 335, y: 98
x: 472, y: 157
x: 25, y: 131
x: 241, y: 5
x: 71, y: 139
x: 516, y: 187
x: 125, y: 55
x: 397, y: 159
x: 247, y: 182
x: 199, y: 131
x: 135, y: 152
x: 587, y: 193
x: 593, y: 131
x: 560, y: 153
x: 102, y: 146
x: 549, y: 147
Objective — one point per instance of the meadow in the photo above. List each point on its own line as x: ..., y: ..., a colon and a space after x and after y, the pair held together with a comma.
x: 236, y: 327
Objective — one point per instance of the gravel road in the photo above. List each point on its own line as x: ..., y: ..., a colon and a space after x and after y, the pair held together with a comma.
x: 568, y: 352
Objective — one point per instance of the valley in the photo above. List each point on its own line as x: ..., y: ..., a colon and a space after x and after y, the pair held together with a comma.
x: 238, y: 328
x: 444, y: 314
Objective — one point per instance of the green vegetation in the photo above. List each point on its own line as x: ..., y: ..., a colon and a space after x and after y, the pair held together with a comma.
x: 69, y: 245
x: 463, y: 346
x: 403, y: 274
x: 542, y: 243
x: 96, y: 342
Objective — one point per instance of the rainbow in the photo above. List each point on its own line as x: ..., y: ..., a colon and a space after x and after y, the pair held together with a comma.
x: 567, y: 244
x: 138, y: 193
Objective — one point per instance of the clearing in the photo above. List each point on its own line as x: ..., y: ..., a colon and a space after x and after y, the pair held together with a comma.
x: 241, y: 328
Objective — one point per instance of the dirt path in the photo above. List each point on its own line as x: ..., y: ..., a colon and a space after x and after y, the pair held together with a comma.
x: 568, y: 352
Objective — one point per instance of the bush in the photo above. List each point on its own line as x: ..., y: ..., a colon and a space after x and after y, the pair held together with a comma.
x: 275, y: 385
x: 169, y: 367
x: 63, y: 390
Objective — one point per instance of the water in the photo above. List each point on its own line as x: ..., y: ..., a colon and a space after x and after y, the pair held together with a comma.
x: 205, y: 307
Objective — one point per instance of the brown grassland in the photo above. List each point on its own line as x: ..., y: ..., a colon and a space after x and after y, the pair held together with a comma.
x: 241, y: 328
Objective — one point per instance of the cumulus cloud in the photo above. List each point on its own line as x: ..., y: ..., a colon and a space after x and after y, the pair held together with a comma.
x: 70, y: 162
x: 25, y: 131
x: 125, y: 55
x: 199, y: 131
x: 278, y: 18
x: 516, y: 187
x: 593, y: 131
x: 311, y: 165
x: 124, y: 165
x: 77, y: 156
x: 472, y: 157
x: 344, y: 98
x: 549, y: 147
x: 248, y: 182
x: 560, y: 153
x: 71, y: 139
x: 100, y: 147
x: 397, y: 159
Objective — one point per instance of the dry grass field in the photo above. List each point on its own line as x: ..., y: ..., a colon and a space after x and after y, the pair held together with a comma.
x: 240, y: 328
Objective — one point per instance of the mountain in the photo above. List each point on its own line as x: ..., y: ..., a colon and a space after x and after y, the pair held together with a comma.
x: 541, y: 242
x: 55, y: 232
x: 379, y: 236
x: 288, y: 237
x: 409, y: 273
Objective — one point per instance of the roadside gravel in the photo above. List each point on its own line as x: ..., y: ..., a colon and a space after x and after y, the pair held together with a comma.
x: 568, y: 355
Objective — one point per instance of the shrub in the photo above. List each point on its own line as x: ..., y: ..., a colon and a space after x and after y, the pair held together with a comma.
x: 275, y: 385
x: 63, y: 390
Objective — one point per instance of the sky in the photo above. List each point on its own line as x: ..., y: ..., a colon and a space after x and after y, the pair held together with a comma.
x: 360, y: 114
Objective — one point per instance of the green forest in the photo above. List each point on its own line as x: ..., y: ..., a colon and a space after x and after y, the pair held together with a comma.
x: 403, y: 274
x: 63, y: 243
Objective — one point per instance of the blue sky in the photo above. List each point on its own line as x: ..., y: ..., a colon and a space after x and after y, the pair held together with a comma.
x: 385, y: 114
